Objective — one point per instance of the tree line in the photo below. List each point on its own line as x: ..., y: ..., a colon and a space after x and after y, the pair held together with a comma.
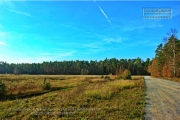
x: 93, y: 67
x: 167, y: 58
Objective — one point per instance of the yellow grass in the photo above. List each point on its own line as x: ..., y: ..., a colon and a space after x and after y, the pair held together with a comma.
x: 79, y: 97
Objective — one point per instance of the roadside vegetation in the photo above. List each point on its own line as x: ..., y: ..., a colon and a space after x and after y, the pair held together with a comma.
x: 72, y: 97
x: 172, y: 79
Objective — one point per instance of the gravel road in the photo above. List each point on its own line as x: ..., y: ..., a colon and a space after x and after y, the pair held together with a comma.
x: 163, y: 99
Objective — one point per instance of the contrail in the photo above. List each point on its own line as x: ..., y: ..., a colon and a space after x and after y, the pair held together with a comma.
x: 103, y: 12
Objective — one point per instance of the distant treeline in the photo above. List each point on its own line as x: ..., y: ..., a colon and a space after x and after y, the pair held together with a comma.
x: 103, y: 67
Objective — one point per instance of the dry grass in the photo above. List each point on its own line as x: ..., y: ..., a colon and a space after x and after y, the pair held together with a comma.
x: 80, y: 97
x: 28, y: 84
x: 173, y: 79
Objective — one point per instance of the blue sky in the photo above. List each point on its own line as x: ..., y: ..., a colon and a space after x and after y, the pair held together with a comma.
x: 37, y: 31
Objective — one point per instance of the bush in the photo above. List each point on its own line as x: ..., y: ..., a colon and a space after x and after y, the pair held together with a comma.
x: 120, y: 77
x: 3, y: 90
x: 126, y: 74
x: 107, y: 77
x: 102, y: 76
x: 46, y: 85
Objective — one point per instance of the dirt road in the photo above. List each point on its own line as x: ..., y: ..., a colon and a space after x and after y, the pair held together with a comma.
x: 163, y: 99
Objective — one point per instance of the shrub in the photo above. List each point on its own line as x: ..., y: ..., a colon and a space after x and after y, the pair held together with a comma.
x: 3, y: 90
x: 107, y: 77
x: 46, y: 85
x: 119, y: 77
x: 126, y: 74
x: 102, y: 76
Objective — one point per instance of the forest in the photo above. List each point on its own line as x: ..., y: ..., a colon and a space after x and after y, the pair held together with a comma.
x: 167, y: 58
x: 103, y: 67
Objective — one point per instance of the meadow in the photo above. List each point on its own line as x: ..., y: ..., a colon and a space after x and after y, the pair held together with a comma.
x: 72, y: 97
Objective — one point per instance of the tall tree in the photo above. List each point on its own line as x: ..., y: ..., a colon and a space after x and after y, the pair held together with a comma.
x: 171, y: 48
x: 167, y: 58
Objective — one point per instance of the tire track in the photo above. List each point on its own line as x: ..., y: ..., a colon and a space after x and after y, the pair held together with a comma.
x: 163, y: 99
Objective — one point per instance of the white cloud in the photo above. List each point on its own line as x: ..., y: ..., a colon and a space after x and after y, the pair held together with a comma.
x: 113, y: 40
x: 20, y: 12
x: 4, y: 37
x: 11, y: 6
x: 68, y: 26
x: 102, y: 45
x: 66, y: 54
x: 26, y: 26
x: 93, y: 45
x: 60, y: 54
x: 176, y: 11
x: 2, y: 43
x: 142, y: 43
x: 9, y: 3
x: 140, y: 27
x: 11, y: 56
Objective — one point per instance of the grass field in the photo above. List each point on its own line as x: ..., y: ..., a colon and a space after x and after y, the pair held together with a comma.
x: 72, y: 97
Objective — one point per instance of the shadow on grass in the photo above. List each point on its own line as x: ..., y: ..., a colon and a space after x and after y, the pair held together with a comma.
x: 29, y: 95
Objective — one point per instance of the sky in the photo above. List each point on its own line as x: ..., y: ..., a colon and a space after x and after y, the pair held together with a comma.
x: 37, y: 31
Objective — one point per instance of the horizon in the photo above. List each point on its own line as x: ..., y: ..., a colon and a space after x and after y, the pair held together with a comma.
x: 41, y: 31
